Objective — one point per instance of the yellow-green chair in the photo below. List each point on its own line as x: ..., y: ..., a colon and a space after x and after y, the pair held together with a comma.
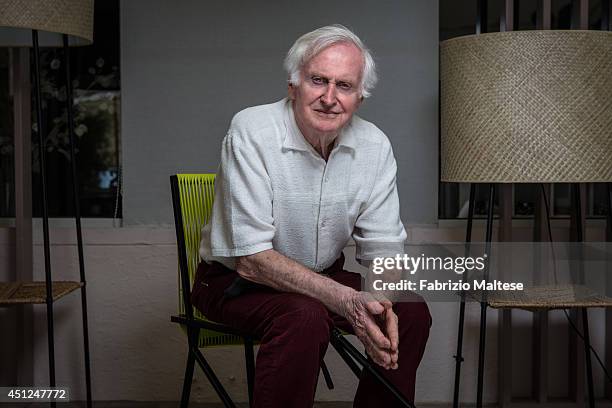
x: 192, y: 200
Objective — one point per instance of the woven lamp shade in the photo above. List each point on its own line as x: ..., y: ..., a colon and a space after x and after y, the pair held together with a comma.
x: 527, y: 107
x: 72, y: 17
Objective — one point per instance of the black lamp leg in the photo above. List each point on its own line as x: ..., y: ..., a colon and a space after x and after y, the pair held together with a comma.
x: 587, y: 351
x: 45, y: 211
x: 585, y: 317
x: 77, y: 216
x: 609, y: 206
x: 458, y: 356
x: 483, y: 302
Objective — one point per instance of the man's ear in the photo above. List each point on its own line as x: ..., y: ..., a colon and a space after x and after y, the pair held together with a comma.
x: 291, y: 91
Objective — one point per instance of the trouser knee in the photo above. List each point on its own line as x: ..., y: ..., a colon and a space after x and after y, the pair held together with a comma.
x: 304, y: 322
x: 414, y: 312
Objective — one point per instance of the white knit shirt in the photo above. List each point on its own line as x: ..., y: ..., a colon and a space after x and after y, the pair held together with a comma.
x: 273, y: 190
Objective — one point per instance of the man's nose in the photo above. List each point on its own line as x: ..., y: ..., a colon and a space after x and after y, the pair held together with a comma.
x: 329, y: 96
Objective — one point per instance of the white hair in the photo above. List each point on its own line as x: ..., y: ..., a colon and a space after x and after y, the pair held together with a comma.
x: 312, y: 43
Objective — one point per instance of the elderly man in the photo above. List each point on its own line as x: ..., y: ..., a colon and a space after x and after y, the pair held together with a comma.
x: 298, y: 179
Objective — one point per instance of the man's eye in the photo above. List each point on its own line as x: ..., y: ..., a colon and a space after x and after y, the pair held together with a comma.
x: 345, y: 86
x: 317, y: 80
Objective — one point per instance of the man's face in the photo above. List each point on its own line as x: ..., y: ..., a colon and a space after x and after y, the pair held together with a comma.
x: 328, y: 93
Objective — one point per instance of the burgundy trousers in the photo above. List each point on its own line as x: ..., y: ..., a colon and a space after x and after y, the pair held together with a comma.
x: 294, y: 333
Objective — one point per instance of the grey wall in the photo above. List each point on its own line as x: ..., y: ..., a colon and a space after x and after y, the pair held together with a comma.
x: 187, y: 66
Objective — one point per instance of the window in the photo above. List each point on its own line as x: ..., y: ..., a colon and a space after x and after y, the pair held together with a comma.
x: 96, y: 88
x: 7, y: 177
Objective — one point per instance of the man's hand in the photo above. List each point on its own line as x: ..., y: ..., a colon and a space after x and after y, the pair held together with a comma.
x: 368, y: 315
x: 372, y: 318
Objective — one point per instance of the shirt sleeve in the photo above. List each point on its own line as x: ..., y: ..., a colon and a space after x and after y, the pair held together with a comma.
x: 242, y: 222
x: 378, y: 229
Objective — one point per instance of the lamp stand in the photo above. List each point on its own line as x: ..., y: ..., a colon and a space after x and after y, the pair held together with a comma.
x: 608, y: 323
x: 77, y: 215
x: 459, y: 357
x: 45, y: 214
x: 578, y: 237
x: 45, y: 210
x: 483, y: 301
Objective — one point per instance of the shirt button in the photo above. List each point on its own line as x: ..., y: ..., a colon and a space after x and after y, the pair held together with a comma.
x: 326, y: 179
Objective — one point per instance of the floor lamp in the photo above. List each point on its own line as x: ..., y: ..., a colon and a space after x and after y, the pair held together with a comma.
x: 525, y: 107
x: 38, y: 23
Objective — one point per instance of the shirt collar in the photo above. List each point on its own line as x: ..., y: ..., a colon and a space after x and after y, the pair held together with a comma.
x: 347, y: 136
x: 296, y: 141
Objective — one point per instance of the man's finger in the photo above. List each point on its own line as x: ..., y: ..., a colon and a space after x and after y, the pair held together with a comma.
x: 392, y: 328
x: 374, y: 307
x: 387, y: 304
x: 374, y: 332
x: 380, y: 357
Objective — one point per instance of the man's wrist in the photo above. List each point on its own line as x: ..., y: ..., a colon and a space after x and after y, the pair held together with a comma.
x: 345, y: 301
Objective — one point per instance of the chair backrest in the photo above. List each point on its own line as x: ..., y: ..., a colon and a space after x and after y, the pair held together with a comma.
x: 192, y: 200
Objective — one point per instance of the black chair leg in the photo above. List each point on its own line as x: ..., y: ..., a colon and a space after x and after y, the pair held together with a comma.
x: 327, y: 376
x: 188, y: 379
x: 587, y: 351
x: 249, y: 355
x: 348, y: 360
x: 213, y: 379
x: 348, y: 352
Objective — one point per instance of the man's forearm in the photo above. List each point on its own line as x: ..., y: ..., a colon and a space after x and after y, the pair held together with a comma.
x: 359, y: 308
x: 275, y: 270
